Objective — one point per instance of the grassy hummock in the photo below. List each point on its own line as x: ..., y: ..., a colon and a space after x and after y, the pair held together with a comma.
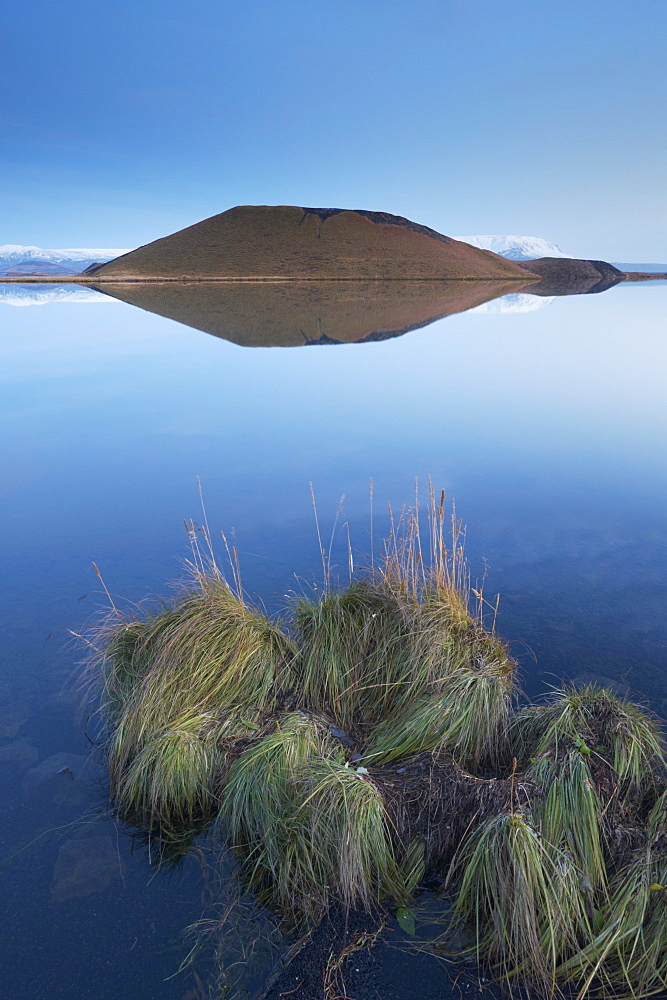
x: 376, y: 736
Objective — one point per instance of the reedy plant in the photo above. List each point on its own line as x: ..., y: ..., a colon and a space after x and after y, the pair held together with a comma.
x: 351, y: 828
x: 456, y: 693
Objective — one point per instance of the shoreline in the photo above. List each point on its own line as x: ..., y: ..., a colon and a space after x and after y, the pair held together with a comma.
x: 75, y: 279
x: 80, y: 279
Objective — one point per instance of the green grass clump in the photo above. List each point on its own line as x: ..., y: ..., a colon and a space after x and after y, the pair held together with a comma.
x: 627, y: 957
x: 449, y: 638
x: 307, y: 826
x: 350, y: 830
x: 259, y: 811
x: 176, y: 684
x: 602, y: 726
x: 569, y: 813
x: 355, y: 653
x: 521, y: 901
x: 465, y: 717
x: 378, y: 736
x: 172, y: 778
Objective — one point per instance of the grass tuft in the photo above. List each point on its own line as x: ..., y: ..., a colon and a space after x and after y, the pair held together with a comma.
x: 308, y: 826
x: 179, y: 682
x: 569, y: 813
x: 521, y: 902
x: 172, y: 778
x: 465, y: 717
x: 605, y: 728
x: 355, y: 652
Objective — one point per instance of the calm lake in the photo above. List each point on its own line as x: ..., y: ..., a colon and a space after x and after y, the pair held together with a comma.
x: 542, y: 418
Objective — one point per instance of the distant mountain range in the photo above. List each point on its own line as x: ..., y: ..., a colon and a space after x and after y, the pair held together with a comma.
x: 18, y: 260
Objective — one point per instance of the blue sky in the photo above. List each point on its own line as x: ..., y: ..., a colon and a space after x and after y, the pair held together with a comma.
x: 124, y: 121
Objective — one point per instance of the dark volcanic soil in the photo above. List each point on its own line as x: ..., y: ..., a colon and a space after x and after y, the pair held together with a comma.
x: 392, y: 969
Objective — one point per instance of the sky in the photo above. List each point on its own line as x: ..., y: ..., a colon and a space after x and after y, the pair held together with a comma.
x: 121, y: 122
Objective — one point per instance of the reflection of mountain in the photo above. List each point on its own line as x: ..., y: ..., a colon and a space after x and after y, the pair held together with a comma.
x: 294, y: 313
x: 40, y: 295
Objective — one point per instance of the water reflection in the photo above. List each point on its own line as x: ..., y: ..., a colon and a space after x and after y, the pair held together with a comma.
x: 294, y: 314
x: 290, y: 314
x: 547, y: 427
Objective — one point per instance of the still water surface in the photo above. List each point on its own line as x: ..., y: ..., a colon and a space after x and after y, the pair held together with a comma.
x: 546, y: 425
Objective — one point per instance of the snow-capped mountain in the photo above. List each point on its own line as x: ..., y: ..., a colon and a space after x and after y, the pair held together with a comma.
x: 27, y: 260
x: 516, y: 247
x: 15, y: 253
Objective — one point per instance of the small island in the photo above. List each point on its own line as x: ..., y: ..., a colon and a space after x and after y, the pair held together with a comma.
x: 291, y: 243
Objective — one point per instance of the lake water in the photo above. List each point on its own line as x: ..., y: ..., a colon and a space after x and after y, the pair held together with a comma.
x: 544, y: 419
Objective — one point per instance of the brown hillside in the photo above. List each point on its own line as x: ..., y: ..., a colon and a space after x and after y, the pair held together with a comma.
x: 295, y: 313
x: 289, y: 242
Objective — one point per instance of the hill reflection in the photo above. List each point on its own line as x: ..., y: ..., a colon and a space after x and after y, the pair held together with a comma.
x: 295, y: 314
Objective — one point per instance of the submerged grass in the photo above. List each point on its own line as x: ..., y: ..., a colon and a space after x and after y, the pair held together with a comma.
x: 555, y: 815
